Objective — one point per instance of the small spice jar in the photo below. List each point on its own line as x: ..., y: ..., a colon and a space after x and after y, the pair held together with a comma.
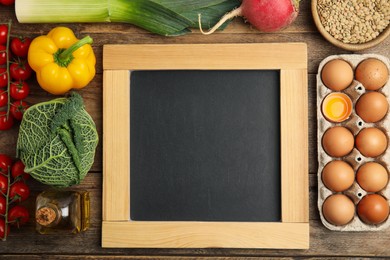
x: 62, y: 211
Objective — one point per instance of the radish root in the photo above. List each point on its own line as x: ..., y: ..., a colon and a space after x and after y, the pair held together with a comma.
x: 230, y: 15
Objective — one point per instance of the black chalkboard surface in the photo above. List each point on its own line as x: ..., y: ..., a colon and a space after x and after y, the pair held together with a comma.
x: 205, y: 146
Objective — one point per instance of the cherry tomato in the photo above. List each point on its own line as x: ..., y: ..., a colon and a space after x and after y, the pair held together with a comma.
x: 3, y: 55
x: 19, y: 190
x: 20, y: 70
x: 6, y: 123
x: 19, y: 46
x: 18, y: 108
x: 18, y: 170
x: 5, y: 163
x: 7, y: 2
x: 3, y: 77
x: 18, y: 215
x: 3, y: 33
x: 3, y: 98
x: 3, y: 205
x: 3, y: 184
x: 19, y: 90
x: 2, y: 229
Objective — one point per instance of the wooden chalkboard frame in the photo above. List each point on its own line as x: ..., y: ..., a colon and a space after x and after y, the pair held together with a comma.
x: 117, y: 228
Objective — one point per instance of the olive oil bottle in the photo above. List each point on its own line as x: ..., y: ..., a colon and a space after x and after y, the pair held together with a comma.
x: 62, y: 211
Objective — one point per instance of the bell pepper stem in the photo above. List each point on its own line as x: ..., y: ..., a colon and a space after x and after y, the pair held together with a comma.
x: 67, y: 54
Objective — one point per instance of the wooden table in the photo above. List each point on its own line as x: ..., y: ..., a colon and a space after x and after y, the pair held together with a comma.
x: 27, y: 244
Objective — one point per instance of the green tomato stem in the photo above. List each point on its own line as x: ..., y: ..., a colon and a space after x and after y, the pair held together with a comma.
x: 64, y: 56
x: 7, y: 204
x: 15, y: 198
x: 9, y: 76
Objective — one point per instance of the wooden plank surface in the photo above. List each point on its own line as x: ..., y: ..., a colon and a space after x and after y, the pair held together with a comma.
x: 26, y: 244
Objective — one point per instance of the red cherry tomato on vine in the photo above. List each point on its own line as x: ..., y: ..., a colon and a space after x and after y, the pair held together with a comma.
x: 3, y: 98
x: 3, y: 55
x: 7, y: 2
x: 3, y: 33
x: 3, y: 184
x: 19, y: 46
x: 6, y: 123
x: 20, y: 70
x: 5, y: 163
x: 2, y: 229
x: 3, y: 205
x: 19, y: 190
x: 18, y: 215
x: 3, y: 77
x: 19, y: 90
x: 18, y: 108
x: 18, y: 170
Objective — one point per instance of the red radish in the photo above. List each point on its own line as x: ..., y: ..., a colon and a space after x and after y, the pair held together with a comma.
x: 264, y: 15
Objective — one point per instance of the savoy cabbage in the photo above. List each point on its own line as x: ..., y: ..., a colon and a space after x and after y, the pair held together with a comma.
x: 57, y: 141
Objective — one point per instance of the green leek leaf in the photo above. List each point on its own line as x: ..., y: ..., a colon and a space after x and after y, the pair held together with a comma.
x: 211, y: 10
x: 211, y: 14
x: 148, y: 15
x: 180, y: 6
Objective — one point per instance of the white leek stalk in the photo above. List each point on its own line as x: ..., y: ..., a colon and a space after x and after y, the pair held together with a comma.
x: 65, y: 11
x: 143, y: 13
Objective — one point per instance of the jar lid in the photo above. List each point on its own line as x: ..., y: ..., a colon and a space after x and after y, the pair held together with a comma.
x: 46, y: 215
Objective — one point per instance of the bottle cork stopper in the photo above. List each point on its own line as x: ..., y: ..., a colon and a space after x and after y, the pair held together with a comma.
x: 45, y: 216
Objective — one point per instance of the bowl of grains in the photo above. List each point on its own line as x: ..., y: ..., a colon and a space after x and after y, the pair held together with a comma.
x: 352, y: 24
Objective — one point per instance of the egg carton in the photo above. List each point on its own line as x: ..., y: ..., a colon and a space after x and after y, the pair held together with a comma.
x: 355, y: 158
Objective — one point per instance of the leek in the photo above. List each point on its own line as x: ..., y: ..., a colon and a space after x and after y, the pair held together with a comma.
x: 164, y: 17
x: 180, y: 6
x: 210, y: 14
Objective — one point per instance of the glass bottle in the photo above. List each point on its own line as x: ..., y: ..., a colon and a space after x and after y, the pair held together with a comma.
x: 62, y: 211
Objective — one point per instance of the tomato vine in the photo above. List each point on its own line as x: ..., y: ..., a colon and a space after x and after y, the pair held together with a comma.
x: 7, y: 203
x: 13, y: 74
x: 16, y: 191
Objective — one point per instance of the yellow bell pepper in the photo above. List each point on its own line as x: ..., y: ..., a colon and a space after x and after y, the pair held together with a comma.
x: 61, y: 61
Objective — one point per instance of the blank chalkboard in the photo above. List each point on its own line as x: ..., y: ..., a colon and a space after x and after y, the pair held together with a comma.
x: 205, y: 145
x: 205, y: 167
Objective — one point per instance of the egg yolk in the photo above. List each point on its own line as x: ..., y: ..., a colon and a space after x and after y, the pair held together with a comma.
x: 337, y: 107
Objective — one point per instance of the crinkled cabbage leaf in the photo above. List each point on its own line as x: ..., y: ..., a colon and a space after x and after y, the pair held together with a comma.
x: 57, y: 141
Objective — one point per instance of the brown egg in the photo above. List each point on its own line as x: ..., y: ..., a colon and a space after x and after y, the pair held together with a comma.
x: 371, y: 142
x: 338, y: 209
x: 372, y: 107
x: 337, y: 74
x: 372, y: 177
x: 338, y: 176
x: 338, y: 141
x: 373, y: 209
x: 372, y: 73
